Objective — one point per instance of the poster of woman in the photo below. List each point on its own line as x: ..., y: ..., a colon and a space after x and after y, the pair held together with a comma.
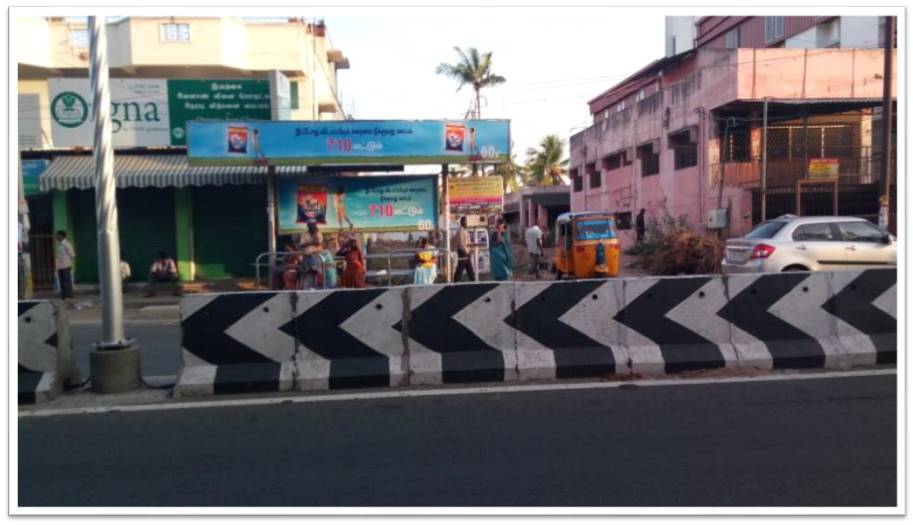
x: 312, y: 204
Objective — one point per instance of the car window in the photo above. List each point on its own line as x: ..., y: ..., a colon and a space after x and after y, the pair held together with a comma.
x: 860, y: 231
x: 766, y: 230
x: 820, y: 231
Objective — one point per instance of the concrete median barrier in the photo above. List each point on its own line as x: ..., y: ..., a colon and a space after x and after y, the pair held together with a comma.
x: 492, y: 332
x: 45, y: 351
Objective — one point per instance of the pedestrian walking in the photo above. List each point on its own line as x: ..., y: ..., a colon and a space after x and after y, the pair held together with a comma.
x: 502, y: 259
x: 65, y: 258
x: 311, y: 244
x: 640, y: 225
x: 534, y: 246
x: 464, y: 258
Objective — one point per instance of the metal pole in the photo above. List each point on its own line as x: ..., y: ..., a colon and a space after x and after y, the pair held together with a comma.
x: 887, y: 115
x: 105, y: 198
x: 446, y: 178
x: 764, y: 166
x: 271, y: 217
x: 26, y: 289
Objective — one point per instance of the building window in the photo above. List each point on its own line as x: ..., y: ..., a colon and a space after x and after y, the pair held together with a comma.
x: 79, y: 38
x: 174, y: 32
x: 640, y: 96
x: 733, y: 38
x: 685, y: 151
x: 595, y: 176
x: 293, y: 94
x: 612, y: 162
x: 620, y: 107
x: 649, y: 161
x: 577, y: 180
x: 623, y: 220
x: 773, y: 28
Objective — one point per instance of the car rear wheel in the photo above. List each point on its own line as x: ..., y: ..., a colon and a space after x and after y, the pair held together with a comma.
x: 795, y: 268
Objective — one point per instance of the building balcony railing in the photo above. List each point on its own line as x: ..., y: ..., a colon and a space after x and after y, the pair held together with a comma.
x: 786, y: 172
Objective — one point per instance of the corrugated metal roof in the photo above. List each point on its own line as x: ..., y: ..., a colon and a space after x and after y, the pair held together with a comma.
x: 158, y: 171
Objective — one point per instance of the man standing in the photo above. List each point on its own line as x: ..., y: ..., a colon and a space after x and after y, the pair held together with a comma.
x: 163, y: 270
x: 464, y: 258
x: 640, y: 225
x: 65, y: 256
x: 534, y: 247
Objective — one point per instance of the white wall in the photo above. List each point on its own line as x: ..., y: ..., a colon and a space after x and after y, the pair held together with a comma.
x: 858, y: 31
x: 683, y: 29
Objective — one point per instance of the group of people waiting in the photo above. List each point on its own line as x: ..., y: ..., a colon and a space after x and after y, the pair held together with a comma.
x: 310, y: 263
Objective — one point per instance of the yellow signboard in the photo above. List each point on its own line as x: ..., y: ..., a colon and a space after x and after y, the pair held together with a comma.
x: 476, y: 195
x: 824, y: 168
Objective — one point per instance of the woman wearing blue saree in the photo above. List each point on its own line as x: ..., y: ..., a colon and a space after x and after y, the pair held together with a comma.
x: 502, y: 260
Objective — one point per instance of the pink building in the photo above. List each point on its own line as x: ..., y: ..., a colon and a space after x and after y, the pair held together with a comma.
x: 665, y: 138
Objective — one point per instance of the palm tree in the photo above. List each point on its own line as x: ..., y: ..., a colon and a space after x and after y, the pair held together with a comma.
x: 513, y: 174
x: 545, y: 165
x: 473, y: 68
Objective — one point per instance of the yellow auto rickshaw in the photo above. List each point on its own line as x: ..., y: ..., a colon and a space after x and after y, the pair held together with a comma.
x: 586, y: 246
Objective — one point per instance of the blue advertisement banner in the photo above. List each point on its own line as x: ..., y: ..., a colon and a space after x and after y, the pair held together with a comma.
x: 31, y: 170
x: 366, y: 204
x: 264, y: 143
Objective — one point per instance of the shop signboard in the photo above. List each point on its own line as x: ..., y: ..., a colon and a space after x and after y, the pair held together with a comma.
x: 31, y: 170
x: 139, y: 112
x: 246, y: 143
x: 215, y: 99
x: 823, y: 168
x: 476, y: 195
x: 366, y: 204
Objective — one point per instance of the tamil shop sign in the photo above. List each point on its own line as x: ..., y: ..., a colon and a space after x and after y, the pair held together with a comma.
x: 215, y: 100
x: 368, y: 204
x: 152, y: 112
x: 240, y: 143
x: 31, y: 170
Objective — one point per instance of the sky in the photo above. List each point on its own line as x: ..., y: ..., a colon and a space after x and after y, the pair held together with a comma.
x: 554, y: 62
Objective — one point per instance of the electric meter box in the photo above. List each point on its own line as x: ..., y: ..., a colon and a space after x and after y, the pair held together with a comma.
x: 717, y: 219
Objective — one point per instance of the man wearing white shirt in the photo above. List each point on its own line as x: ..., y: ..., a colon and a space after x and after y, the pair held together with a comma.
x: 65, y: 256
x: 534, y: 247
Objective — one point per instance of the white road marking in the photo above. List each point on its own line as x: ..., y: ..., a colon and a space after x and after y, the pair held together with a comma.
x: 498, y: 389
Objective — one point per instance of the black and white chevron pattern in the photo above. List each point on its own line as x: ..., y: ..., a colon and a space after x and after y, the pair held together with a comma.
x: 489, y: 332
x: 39, y: 375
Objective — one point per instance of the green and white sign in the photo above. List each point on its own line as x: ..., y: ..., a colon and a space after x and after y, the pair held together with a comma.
x: 139, y: 112
x: 222, y: 99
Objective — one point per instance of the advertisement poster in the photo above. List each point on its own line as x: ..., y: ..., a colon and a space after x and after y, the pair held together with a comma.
x: 366, y: 204
x: 139, y: 112
x: 348, y: 142
x: 823, y: 168
x: 221, y: 99
x: 31, y: 170
x: 476, y: 195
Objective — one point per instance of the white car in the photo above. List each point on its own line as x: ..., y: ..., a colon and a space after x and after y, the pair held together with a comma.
x: 791, y: 243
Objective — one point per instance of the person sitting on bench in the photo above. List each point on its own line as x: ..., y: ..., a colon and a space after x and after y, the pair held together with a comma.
x: 163, y: 270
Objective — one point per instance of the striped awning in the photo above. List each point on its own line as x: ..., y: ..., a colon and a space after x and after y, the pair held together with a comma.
x: 68, y: 172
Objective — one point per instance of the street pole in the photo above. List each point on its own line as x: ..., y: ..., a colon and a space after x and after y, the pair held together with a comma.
x: 445, y: 169
x: 271, y: 218
x: 887, y: 115
x: 115, y: 361
x: 764, y: 166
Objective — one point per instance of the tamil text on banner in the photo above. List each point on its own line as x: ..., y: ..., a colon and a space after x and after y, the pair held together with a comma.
x: 476, y: 195
x: 367, y: 204
x: 220, y: 99
x: 348, y: 142
x: 823, y: 168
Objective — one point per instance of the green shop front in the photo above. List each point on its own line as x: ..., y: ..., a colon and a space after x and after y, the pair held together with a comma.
x: 212, y: 220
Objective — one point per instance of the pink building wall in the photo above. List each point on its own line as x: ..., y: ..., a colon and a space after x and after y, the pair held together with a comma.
x: 689, y: 91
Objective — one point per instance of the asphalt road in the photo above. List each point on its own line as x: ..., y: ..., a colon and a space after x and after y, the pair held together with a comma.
x: 825, y: 442
x: 159, y: 342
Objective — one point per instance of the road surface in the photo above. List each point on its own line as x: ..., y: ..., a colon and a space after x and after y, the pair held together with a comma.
x: 829, y: 442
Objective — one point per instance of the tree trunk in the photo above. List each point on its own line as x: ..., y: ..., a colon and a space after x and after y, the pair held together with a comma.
x: 475, y: 167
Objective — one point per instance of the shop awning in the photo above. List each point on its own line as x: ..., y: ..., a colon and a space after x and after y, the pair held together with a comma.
x: 68, y: 172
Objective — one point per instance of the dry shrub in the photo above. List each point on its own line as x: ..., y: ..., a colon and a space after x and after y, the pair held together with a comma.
x: 670, y: 248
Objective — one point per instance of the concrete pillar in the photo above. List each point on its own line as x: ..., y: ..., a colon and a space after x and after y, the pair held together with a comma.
x: 183, y: 221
